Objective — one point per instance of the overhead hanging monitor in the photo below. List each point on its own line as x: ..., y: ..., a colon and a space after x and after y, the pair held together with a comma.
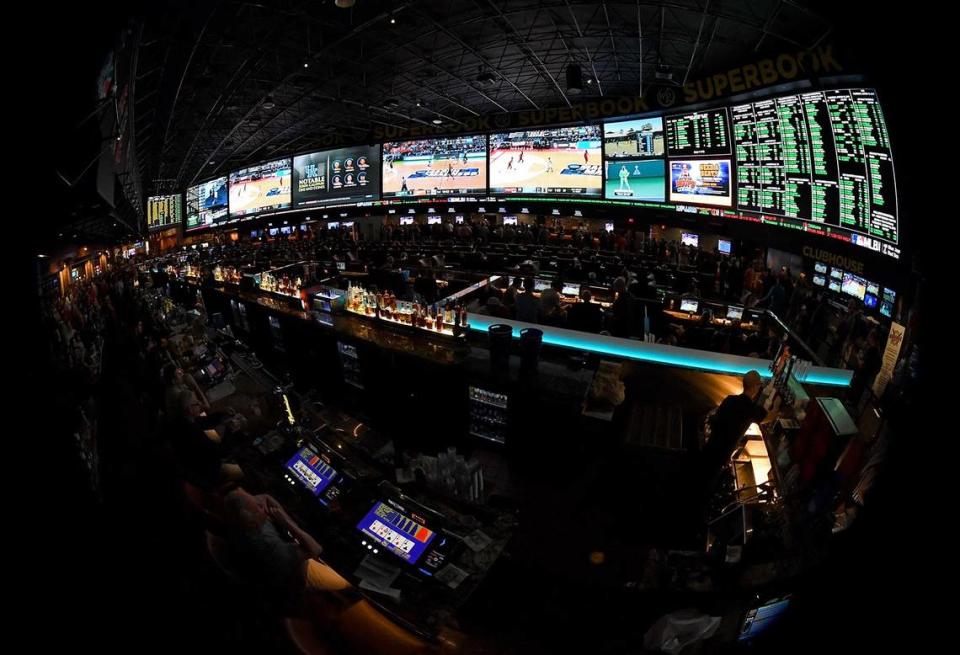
x: 819, y: 280
x: 434, y: 220
x: 639, y: 138
x: 834, y: 286
x: 724, y: 246
x: 509, y: 220
x: 406, y: 220
x: 820, y: 267
x: 690, y: 239
x: 206, y: 204
x: 554, y: 161
x: 337, y: 177
x: 164, y: 211
x: 870, y: 301
x: 435, y: 167
x: 260, y: 188
x: 400, y: 534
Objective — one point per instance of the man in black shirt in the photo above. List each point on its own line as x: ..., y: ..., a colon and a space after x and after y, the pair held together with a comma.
x: 728, y: 426
x: 585, y: 316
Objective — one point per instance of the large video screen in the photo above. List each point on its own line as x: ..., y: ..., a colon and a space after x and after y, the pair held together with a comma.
x: 164, y: 211
x: 822, y: 157
x: 260, y: 188
x: 700, y: 182
x: 333, y: 177
x: 557, y: 161
x: 641, y: 138
x: 435, y: 167
x: 698, y: 133
x: 207, y: 203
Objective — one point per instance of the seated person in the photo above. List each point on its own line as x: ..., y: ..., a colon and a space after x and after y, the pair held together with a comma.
x: 255, y: 535
x: 585, y: 315
x: 550, y: 298
x: 556, y: 317
x: 199, y: 447
x: 181, y: 390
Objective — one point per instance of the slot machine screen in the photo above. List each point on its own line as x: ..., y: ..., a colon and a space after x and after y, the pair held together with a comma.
x: 312, y: 471
x: 397, y: 532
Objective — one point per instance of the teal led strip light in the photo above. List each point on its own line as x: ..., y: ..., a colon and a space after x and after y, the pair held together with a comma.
x: 660, y: 354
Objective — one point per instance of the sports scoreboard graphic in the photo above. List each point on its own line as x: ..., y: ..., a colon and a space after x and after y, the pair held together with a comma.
x: 260, y: 188
x: 700, y: 182
x: 559, y: 161
x: 164, y: 211
x: 435, y: 167
x: 399, y: 534
x: 343, y: 176
x: 207, y: 203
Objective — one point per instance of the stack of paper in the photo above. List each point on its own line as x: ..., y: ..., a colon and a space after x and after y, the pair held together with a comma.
x: 377, y: 576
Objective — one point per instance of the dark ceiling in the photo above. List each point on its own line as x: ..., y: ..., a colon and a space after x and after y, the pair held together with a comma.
x: 205, y: 69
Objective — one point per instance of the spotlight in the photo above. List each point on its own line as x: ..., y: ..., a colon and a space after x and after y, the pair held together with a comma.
x: 574, y: 79
x: 589, y: 80
x: 393, y: 21
x: 306, y: 64
x: 437, y: 121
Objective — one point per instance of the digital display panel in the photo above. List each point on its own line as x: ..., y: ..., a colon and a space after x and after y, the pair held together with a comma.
x: 870, y: 301
x: 724, y: 246
x: 435, y: 167
x: 434, y: 220
x: 698, y: 133
x: 836, y: 273
x: 820, y: 267
x: 689, y: 239
x: 689, y: 305
x: 509, y: 220
x: 570, y: 289
x: 641, y: 138
x: 207, y: 203
x: 886, y: 308
x: 635, y: 179
x: 608, y: 227
x: 762, y: 619
x: 539, y: 284
x: 557, y: 161
x: 164, y: 211
x: 260, y: 188
x: 398, y: 533
x: 853, y: 285
x: 700, y: 182
x: 333, y: 177
x: 834, y: 286
x: 406, y: 220
x: 889, y: 295
x: 819, y: 280
x: 312, y: 471
x: 823, y: 157
x: 873, y: 288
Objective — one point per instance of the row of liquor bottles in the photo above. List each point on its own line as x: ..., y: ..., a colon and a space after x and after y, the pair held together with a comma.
x: 447, y: 320
x: 280, y: 284
x: 226, y: 274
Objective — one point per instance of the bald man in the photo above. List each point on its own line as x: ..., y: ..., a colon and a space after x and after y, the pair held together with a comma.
x: 729, y: 424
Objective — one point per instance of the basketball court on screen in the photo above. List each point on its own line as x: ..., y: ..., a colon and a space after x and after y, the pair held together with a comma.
x: 423, y: 174
x: 555, y: 168
x: 248, y: 196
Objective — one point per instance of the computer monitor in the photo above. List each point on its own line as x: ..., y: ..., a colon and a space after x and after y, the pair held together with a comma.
x: 724, y: 246
x: 886, y: 309
x: 759, y: 620
x: 889, y: 295
x: 690, y: 239
x: 820, y: 267
x: 873, y: 288
x: 388, y: 527
x: 870, y: 301
x: 689, y: 305
x: 571, y: 289
x: 341, y: 266
x: 819, y: 280
x: 734, y: 313
x: 539, y: 284
x: 406, y: 220
x: 509, y: 220
x: 434, y: 220
x: 608, y: 226
x: 834, y: 286
x: 836, y: 273
x: 312, y: 470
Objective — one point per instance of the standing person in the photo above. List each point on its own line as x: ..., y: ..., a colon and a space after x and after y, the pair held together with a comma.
x: 510, y: 164
x: 586, y: 156
x: 520, y: 160
x: 403, y: 186
x: 549, y: 165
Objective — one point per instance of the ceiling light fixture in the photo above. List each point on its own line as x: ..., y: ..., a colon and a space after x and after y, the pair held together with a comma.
x: 268, y: 103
